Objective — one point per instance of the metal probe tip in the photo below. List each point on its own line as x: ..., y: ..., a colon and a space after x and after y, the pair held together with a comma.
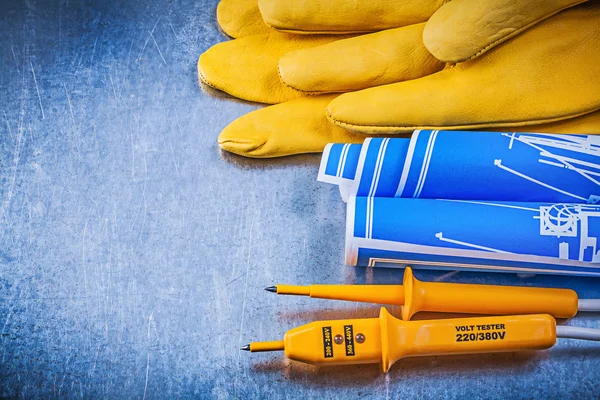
x: 245, y: 348
x: 272, y: 289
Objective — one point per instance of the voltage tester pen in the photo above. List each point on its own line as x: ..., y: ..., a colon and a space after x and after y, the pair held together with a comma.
x: 387, y: 339
x: 415, y: 295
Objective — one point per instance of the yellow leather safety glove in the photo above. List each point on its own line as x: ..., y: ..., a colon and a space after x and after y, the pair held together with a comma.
x: 484, y: 23
x: 247, y: 66
x: 250, y: 68
x: 300, y: 126
x: 267, y: 133
x: 464, y: 29
x: 293, y: 127
x: 240, y: 18
x: 459, y: 30
x: 548, y: 73
x: 254, y: 67
x: 344, y: 16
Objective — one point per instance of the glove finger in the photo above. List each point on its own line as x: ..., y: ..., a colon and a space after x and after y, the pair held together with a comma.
x: 268, y: 133
x: 343, y: 16
x: 360, y: 62
x: 548, y: 73
x: 588, y: 124
x: 247, y: 68
x: 464, y: 29
x: 295, y: 127
x: 299, y: 126
x: 240, y: 18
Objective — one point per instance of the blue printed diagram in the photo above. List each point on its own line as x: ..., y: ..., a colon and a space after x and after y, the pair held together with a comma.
x: 560, y: 151
x: 573, y: 220
x: 488, y: 166
x: 561, y: 221
x: 507, y: 236
x: 506, y: 201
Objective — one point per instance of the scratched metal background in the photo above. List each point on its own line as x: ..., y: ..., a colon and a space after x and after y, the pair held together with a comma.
x: 133, y: 253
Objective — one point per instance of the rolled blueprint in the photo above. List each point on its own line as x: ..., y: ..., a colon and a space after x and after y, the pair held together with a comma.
x: 466, y: 165
x: 557, y: 238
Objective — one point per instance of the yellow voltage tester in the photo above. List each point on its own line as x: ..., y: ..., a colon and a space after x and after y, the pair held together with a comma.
x: 387, y: 339
x: 416, y: 296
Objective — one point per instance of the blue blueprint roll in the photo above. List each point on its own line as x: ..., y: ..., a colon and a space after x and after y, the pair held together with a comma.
x: 475, y: 235
x: 465, y: 165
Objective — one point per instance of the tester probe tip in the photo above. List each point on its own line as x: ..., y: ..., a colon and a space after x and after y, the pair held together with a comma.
x: 276, y: 345
x: 272, y: 289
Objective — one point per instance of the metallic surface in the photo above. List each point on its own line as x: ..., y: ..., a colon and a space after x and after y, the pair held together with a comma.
x: 133, y: 253
x: 360, y: 338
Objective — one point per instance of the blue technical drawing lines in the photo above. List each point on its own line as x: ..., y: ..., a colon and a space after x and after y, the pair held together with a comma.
x: 484, y: 166
x: 500, y: 236
x: 471, y: 200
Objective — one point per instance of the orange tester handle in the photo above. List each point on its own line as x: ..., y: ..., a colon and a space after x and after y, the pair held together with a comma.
x: 387, y: 339
x: 485, y: 299
x: 401, y: 339
x: 416, y: 296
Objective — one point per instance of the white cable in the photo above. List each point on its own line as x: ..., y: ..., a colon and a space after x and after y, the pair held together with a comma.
x: 589, y: 305
x: 575, y: 332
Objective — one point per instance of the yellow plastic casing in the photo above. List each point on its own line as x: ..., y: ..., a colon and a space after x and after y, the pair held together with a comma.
x: 416, y: 296
x: 314, y: 343
x: 387, y: 339
x: 485, y: 299
x: 401, y: 339
x: 267, y: 346
x: 382, y: 294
